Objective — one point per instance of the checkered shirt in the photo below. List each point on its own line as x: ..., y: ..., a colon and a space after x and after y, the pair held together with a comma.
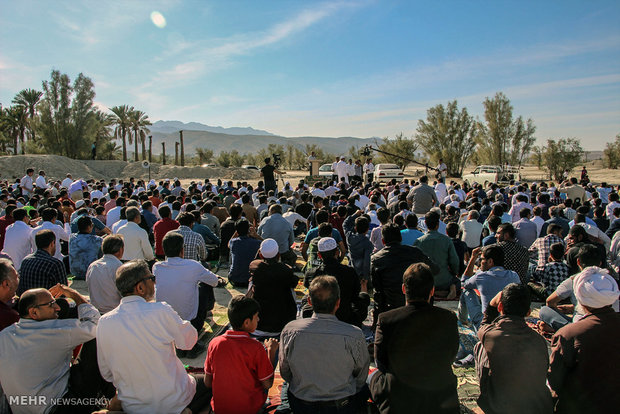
x: 541, y: 247
x: 552, y: 275
x: 40, y: 270
x: 517, y: 258
x: 193, y: 244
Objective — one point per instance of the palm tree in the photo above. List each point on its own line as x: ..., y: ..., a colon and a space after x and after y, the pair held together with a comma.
x: 121, y: 119
x: 102, y: 134
x: 139, y: 122
x: 29, y: 98
x: 14, y: 124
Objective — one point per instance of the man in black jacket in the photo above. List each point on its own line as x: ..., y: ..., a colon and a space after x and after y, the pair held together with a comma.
x: 414, y: 349
x: 353, y: 307
x: 388, y: 265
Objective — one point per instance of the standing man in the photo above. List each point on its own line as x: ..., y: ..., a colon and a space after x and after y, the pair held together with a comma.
x: 443, y: 169
x: 267, y: 172
x: 27, y: 183
x: 414, y: 375
x: 331, y: 382
x: 342, y: 170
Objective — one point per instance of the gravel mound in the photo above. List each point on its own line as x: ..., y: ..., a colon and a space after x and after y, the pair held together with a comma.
x: 56, y: 167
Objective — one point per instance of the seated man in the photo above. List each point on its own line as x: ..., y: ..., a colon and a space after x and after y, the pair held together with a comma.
x: 353, y: 307
x: 388, y: 265
x: 135, y: 349
x: 237, y: 367
x: 136, y: 239
x: 318, y: 380
x: 37, y: 350
x: 41, y: 269
x: 273, y: 282
x: 583, y: 371
x: 101, y: 275
x: 9, y: 280
x: 360, y: 247
x: 185, y: 285
x: 243, y: 249
x: 84, y: 248
x: 415, y: 375
x: 488, y: 281
x: 511, y: 358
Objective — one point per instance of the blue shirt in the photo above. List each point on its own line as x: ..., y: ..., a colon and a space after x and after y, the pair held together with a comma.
x: 278, y: 228
x: 489, y: 283
x: 206, y: 233
x: 97, y: 225
x: 314, y: 233
x: 242, y: 251
x: 83, y: 250
x: 410, y: 236
x: 489, y: 240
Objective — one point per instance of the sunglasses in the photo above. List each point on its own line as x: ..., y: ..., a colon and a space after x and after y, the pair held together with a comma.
x: 51, y: 303
x: 152, y: 277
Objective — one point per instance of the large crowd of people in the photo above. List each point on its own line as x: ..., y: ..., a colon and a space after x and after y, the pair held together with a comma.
x: 376, y: 259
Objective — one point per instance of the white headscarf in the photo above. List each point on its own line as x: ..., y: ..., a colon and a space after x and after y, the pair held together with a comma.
x: 595, y: 288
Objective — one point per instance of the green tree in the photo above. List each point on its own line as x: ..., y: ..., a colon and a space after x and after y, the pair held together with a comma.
x: 223, y: 159
x: 10, y: 119
x: 104, y: 139
x: 139, y: 121
x: 537, y: 156
x: 123, y: 125
x: 560, y: 155
x: 205, y: 155
x: 29, y: 98
x: 67, y: 115
x: 448, y: 134
x: 611, y: 154
x: 503, y: 140
x: 400, y: 146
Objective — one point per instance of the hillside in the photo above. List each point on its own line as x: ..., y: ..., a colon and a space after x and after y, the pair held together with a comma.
x: 249, y: 143
x: 167, y: 127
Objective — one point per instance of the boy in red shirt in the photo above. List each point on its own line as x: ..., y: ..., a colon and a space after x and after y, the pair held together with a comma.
x: 237, y: 367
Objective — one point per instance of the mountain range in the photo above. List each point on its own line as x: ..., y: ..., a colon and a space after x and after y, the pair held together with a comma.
x: 245, y: 140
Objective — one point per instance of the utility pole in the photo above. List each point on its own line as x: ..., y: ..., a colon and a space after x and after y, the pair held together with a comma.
x: 163, y: 153
x: 182, y: 149
x: 150, y: 147
x: 176, y: 153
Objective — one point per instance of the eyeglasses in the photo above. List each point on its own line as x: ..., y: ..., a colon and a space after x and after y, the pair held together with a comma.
x: 51, y: 303
x: 152, y: 277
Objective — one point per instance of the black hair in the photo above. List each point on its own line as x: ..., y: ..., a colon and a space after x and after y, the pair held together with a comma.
x: 431, y: 219
x: 556, y: 250
x: 324, y: 294
x: 588, y: 255
x: 391, y: 234
x: 44, y: 238
x: 241, y: 308
x: 516, y: 300
x: 172, y: 244
x: 494, y: 252
x: 83, y: 223
x: 419, y: 281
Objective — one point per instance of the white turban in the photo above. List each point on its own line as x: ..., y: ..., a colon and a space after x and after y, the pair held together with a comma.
x: 595, y: 288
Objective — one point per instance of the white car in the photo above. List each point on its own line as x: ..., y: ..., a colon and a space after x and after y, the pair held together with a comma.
x: 385, y: 172
x: 325, y: 170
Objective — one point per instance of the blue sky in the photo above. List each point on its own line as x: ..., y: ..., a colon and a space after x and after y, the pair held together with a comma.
x: 352, y: 68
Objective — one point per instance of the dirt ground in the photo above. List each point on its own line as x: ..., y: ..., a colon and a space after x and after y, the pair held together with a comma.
x: 56, y: 167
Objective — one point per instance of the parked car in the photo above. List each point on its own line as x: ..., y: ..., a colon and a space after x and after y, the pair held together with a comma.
x: 325, y: 170
x: 485, y: 174
x: 209, y: 165
x: 250, y: 167
x: 385, y: 172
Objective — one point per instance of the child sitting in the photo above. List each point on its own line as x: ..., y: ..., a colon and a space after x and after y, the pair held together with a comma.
x: 554, y: 273
x: 237, y: 367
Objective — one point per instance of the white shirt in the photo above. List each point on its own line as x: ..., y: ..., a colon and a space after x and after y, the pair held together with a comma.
x: 177, y: 284
x: 136, y: 352
x: 471, y: 230
x: 60, y: 232
x: 114, y: 215
x: 101, y: 281
x: 318, y: 192
x: 36, y: 356
x: 369, y: 168
x: 118, y: 225
x: 292, y: 217
x: 26, y: 182
x: 539, y: 223
x: 96, y: 194
x: 362, y: 202
x: 137, y: 245
x: 40, y: 182
x: 342, y: 169
x: 609, y: 210
x: 17, y: 242
x: 66, y: 182
x: 441, y: 191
